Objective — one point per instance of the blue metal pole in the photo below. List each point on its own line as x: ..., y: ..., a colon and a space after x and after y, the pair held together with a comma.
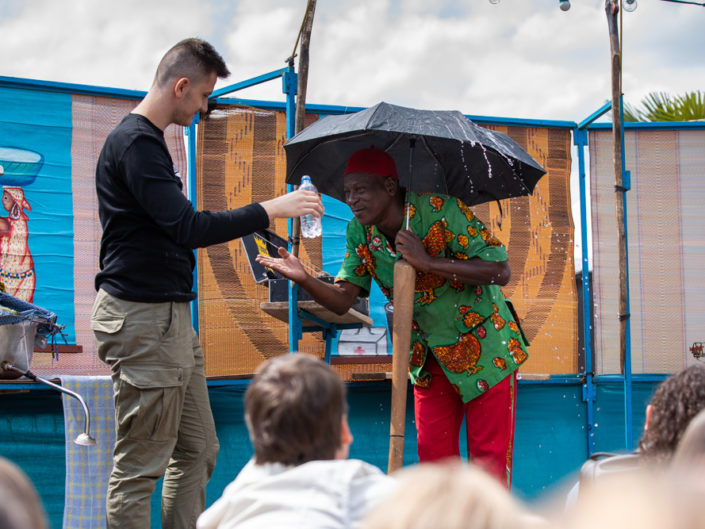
x: 191, y: 133
x: 626, y: 185
x: 289, y: 86
x: 580, y: 139
x: 248, y: 83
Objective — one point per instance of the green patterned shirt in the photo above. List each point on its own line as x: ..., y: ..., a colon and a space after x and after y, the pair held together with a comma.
x: 469, y: 328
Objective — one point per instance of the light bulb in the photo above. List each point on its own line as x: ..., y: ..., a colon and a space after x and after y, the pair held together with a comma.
x: 565, y: 5
x: 494, y: 1
x: 629, y: 5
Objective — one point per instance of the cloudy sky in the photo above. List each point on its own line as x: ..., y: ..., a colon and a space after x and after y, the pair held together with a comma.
x: 518, y: 58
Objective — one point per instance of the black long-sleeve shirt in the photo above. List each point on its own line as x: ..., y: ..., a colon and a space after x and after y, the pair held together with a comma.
x: 149, y: 227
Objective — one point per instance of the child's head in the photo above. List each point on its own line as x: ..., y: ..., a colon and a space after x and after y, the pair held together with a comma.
x: 20, y: 506
x: 296, y: 412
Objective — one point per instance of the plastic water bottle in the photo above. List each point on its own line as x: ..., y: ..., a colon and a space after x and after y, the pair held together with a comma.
x: 310, y: 225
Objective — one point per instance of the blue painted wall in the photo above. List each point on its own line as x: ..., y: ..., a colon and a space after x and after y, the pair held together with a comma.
x: 550, y: 443
x: 42, y: 122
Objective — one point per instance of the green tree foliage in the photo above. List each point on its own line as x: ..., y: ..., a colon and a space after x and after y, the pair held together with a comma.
x: 660, y: 106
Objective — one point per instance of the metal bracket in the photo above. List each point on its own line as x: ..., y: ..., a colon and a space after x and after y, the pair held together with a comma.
x: 290, y: 82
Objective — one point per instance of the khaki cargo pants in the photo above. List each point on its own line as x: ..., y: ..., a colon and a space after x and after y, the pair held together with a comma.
x: 163, y: 418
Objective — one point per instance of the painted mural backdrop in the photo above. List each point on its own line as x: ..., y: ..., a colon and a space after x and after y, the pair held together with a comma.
x: 36, y: 243
x: 49, y: 231
x: 666, y: 248
x: 241, y: 159
x: 49, y: 228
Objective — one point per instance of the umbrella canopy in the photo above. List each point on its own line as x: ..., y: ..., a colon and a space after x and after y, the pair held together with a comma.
x: 437, y: 151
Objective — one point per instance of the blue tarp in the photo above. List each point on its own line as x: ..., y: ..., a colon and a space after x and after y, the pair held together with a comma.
x: 550, y: 441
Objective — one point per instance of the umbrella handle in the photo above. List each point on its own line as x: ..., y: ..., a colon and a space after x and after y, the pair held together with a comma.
x: 404, y: 287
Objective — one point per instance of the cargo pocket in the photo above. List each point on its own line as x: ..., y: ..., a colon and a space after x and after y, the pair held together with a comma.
x: 149, y: 402
x: 107, y: 324
x: 107, y: 336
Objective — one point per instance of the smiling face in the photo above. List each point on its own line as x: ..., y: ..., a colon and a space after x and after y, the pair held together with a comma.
x: 369, y: 196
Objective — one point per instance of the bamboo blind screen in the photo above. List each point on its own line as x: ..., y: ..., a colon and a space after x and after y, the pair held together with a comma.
x: 666, y: 248
x: 93, y: 119
x: 241, y: 160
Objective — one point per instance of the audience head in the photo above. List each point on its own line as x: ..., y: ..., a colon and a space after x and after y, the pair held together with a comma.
x: 448, y: 496
x: 690, y: 453
x: 20, y: 507
x: 645, y: 499
x: 296, y: 412
x: 676, y: 401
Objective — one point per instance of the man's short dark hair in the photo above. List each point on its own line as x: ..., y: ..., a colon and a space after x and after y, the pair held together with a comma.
x: 294, y: 409
x: 676, y: 401
x: 192, y: 58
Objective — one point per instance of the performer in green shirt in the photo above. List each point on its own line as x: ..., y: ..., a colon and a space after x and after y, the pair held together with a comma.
x: 466, y: 342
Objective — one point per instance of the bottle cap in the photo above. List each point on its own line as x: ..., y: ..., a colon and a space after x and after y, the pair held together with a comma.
x: 305, y: 178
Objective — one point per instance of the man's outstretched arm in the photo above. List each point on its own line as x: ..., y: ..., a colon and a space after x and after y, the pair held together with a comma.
x: 337, y: 298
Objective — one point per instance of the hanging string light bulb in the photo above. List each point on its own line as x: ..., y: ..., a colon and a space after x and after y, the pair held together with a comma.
x: 564, y: 5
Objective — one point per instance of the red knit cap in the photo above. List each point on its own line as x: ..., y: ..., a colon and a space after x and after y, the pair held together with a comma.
x: 372, y: 160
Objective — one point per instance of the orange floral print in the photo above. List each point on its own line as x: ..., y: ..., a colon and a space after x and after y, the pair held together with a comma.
x: 515, y: 350
x: 436, y: 203
x: 367, y: 261
x: 470, y: 318
x: 418, y: 354
x: 461, y: 356
x: 489, y: 239
x: 466, y: 211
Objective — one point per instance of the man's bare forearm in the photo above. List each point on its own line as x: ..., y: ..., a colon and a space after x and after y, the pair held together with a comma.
x: 473, y: 271
x: 337, y: 298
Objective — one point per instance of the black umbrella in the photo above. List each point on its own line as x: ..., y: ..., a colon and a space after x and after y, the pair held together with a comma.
x: 448, y: 153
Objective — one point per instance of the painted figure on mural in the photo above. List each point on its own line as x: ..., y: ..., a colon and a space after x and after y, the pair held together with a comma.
x: 16, y: 263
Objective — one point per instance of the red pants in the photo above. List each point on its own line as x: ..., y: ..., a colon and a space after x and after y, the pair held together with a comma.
x: 439, y: 413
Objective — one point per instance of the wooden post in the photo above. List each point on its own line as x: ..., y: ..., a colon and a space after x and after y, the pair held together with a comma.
x: 301, y: 98
x: 612, y: 8
x: 404, y: 287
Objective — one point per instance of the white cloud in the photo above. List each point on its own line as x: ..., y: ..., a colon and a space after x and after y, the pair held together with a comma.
x: 113, y: 43
x: 519, y: 58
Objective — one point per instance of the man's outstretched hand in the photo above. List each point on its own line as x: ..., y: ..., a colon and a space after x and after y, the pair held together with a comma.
x: 287, y: 265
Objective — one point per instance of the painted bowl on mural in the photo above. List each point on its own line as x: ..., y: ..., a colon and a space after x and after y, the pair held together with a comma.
x: 19, y: 167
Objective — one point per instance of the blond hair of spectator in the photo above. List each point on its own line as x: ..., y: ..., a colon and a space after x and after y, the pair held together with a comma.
x: 20, y: 507
x: 691, y: 449
x: 646, y: 499
x: 447, y: 496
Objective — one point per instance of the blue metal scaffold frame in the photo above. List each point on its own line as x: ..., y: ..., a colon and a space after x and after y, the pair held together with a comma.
x: 589, y: 380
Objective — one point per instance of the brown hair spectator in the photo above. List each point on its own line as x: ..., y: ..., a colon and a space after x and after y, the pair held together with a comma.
x: 676, y: 401
x: 294, y: 409
x: 192, y: 58
x: 20, y: 507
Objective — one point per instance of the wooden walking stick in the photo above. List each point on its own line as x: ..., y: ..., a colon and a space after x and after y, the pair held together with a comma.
x: 404, y: 289
x: 404, y: 286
